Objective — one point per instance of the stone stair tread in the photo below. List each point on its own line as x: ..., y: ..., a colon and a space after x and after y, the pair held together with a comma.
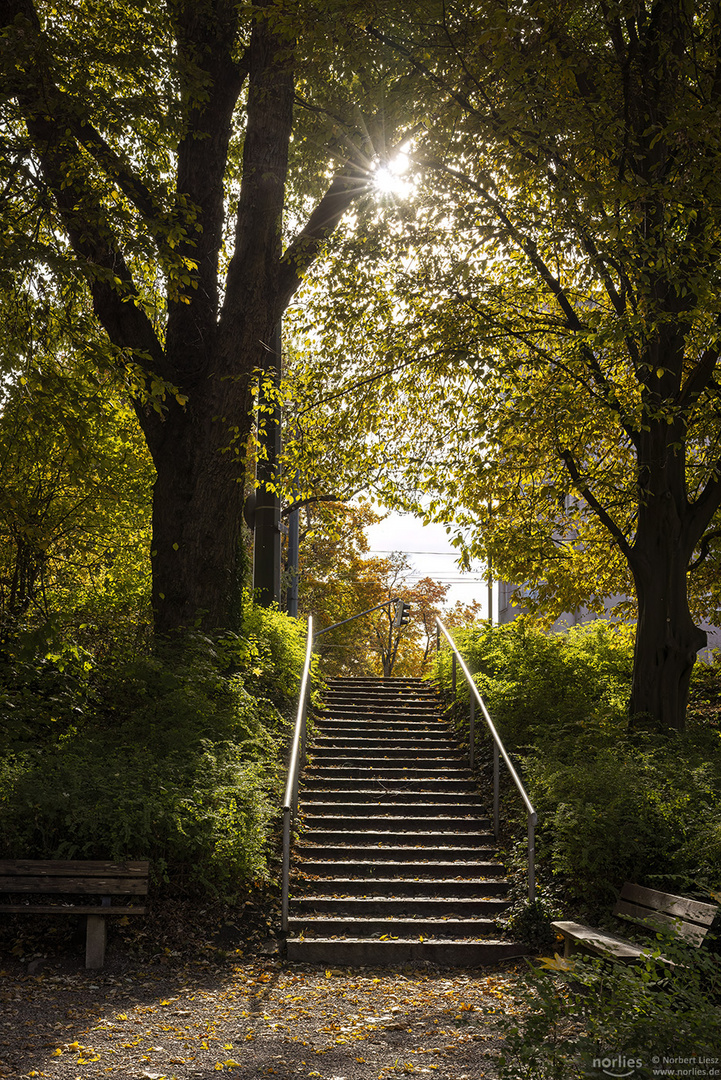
x: 419, y: 921
x: 314, y: 852
x: 368, y: 836
x: 368, y: 951
x: 401, y: 903
x: 395, y: 859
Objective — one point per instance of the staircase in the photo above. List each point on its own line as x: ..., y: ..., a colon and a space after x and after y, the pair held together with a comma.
x: 396, y: 860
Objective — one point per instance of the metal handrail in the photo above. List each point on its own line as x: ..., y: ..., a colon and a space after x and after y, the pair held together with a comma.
x: 297, y: 759
x: 498, y: 749
x: 335, y: 625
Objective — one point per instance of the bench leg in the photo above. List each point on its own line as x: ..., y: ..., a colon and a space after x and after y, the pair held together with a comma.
x: 569, y: 947
x: 95, y: 942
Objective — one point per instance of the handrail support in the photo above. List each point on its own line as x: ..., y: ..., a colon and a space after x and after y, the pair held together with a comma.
x: 499, y: 751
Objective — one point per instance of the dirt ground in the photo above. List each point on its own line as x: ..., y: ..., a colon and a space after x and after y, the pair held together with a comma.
x: 192, y: 995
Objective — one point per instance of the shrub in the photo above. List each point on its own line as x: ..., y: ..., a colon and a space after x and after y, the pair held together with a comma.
x: 175, y: 756
x: 612, y: 804
x: 201, y: 817
x: 536, y: 683
x: 612, y: 809
x: 574, y: 1014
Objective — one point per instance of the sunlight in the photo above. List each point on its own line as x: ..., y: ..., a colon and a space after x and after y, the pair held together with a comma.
x: 388, y: 176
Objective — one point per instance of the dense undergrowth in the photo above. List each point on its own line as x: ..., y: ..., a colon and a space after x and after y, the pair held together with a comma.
x: 587, y: 1017
x: 172, y: 754
x: 614, y: 803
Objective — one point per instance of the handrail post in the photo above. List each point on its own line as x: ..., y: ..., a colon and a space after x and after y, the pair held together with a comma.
x: 498, y: 751
x: 297, y: 757
x: 472, y: 732
x: 531, y: 858
x: 496, y: 792
x: 286, y: 868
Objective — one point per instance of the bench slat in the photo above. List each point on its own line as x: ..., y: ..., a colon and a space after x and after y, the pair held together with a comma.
x: 657, y: 920
x: 680, y: 906
x: 73, y: 909
x: 92, y: 885
x: 599, y: 940
x: 74, y: 868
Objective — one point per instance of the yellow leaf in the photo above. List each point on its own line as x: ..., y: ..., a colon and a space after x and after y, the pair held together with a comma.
x: 57, y: 1052
x: 557, y: 963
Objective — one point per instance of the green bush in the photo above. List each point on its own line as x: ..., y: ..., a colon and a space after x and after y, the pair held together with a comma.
x: 574, y: 1014
x: 612, y: 804
x: 536, y: 683
x: 617, y: 808
x: 201, y: 817
x: 175, y: 756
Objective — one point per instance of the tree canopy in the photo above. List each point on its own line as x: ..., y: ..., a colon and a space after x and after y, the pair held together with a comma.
x: 546, y: 308
x: 183, y: 165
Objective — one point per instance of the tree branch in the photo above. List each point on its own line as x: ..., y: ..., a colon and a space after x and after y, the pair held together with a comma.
x: 600, y: 511
x: 698, y: 378
x: 91, y: 236
x: 705, y: 548
x: 347, y: 185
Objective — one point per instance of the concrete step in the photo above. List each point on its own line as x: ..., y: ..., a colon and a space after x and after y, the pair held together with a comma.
x: 370, y: 797
x: 337, y: 887
x: 362, y: 952
x: 373, y: 759
x: 396, y: 806
x: 316, y: 779
x: 396, y: 848
x: 382, y: 838
x: 405, y: 818
x: 396, y: 926
x: 387, y: 772
x: 396, y: 714
x: 483, y: 906
x: 379, y: 747
x: 399, y: 870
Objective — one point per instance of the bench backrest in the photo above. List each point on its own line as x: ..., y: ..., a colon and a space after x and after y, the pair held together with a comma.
x: 94, y: 877
x: 690, y: 919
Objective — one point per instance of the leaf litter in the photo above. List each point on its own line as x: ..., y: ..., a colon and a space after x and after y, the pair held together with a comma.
x: 177, y: 1007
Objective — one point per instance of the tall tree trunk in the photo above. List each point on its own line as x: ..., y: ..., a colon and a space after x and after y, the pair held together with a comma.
x: 197, y: 504
x: 667, y: 640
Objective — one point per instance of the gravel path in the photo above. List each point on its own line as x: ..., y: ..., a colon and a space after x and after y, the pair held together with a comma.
x: 199, y: 1011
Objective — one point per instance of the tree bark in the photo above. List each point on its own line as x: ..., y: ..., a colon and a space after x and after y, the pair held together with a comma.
x: 667, y: 640
x: 668, y: 529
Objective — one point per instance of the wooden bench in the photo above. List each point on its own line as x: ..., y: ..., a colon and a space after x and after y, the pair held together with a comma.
x: 650, y: 908
x: 95, y: 880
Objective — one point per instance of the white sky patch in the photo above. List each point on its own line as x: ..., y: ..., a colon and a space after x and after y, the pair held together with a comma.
x: 431, y: 554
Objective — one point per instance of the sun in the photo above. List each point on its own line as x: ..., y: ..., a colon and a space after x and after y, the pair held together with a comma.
x: 388, y: 178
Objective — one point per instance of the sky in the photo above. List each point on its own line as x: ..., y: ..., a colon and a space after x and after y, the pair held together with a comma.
x: 431, y: 555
